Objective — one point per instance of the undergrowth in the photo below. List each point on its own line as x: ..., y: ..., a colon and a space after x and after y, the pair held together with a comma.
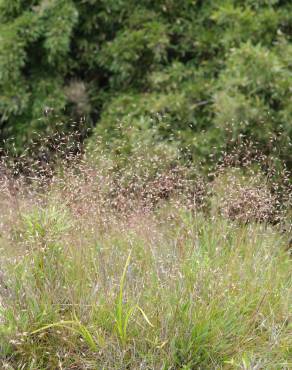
x: 143, y: 278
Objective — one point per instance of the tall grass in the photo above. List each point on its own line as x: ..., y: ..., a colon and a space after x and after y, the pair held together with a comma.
x: 95, y: 278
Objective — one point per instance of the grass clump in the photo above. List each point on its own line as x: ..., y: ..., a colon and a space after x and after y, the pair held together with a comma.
x: 86, y: 285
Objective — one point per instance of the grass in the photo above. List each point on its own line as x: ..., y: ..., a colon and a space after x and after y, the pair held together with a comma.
x: 84, y: 287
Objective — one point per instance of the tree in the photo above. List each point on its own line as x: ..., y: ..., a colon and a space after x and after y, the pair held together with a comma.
x: 185, y: 70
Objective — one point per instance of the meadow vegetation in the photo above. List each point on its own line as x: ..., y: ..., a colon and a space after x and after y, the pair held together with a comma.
x: 145, y: 184
x: 107, y: 269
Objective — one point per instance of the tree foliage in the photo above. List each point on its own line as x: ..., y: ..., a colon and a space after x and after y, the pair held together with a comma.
x: 188, y: 73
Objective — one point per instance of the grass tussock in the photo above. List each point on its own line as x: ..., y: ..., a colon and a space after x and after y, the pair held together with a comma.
x: 111, y: 272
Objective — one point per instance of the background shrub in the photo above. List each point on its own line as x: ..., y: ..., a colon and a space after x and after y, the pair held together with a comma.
x: 198, y: 73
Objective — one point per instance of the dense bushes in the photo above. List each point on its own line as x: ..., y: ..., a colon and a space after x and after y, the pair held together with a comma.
x: 199, y: 73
